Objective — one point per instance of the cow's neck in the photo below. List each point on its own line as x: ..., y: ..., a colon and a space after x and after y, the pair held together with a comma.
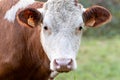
x: 35, y: 45
x: 34, y: 55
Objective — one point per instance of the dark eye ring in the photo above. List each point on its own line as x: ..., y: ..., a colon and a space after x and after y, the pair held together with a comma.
x: 45, y: 28
x: 80, y: 28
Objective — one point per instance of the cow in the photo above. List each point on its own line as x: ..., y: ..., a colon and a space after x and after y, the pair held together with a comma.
x: 38, y: 40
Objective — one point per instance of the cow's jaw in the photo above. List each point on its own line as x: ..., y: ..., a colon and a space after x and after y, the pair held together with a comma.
x: 61, y: 39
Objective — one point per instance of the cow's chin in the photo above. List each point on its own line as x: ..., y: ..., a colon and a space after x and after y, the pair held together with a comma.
x: 64, y: 65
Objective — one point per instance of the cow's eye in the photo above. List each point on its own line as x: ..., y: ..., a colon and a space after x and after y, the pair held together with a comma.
x: 80, y: 28
x: 45, y: 28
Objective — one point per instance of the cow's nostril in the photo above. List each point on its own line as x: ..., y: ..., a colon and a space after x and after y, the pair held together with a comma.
x: 63, y: 65
x: 70, y: 62
x: 63, y: 61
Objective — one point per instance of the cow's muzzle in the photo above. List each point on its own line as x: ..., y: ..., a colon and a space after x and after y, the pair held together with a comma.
x: 63, y: 65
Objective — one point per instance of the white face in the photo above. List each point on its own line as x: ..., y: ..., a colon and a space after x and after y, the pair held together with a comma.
x: 60, y: 36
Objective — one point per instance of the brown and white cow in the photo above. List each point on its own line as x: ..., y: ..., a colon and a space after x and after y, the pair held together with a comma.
x: 39, y: 40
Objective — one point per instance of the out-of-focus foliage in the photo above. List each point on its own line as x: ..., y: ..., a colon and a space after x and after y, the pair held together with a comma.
x: 111, y: 29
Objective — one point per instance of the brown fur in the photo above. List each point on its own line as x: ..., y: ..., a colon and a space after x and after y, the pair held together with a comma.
x: 21, y: 54
x: 6, y: 5
x: 96, y: 16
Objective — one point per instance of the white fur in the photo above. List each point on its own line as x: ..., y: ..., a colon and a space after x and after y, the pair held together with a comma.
x: 62, y: 18
x: 54, y: 74
x: 11, y: 13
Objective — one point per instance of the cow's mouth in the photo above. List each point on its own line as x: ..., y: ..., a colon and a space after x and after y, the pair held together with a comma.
x: 63, y: 69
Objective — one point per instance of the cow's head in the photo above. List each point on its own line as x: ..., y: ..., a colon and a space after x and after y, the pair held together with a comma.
x: 62, y: 23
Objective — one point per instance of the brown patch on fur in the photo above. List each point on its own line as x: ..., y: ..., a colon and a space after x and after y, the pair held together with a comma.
x: 96, y: 16
x: 6, y: 5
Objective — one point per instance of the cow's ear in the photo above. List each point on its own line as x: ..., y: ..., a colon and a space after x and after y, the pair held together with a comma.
x: 29, y: 17
x: 96, y: 16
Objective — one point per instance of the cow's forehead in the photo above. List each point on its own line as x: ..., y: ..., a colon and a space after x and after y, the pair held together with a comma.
x: 60, y: 5
x: 63, y: 13
x: 66, y: 20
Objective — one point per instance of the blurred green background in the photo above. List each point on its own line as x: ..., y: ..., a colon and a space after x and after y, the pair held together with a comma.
x: 99, y: 55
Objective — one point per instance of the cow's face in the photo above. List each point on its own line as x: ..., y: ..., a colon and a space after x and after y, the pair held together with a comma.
x: 62, y: 25
x: 61, y: 34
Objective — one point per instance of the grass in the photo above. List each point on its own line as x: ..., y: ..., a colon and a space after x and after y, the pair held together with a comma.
x: 98, y: 59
